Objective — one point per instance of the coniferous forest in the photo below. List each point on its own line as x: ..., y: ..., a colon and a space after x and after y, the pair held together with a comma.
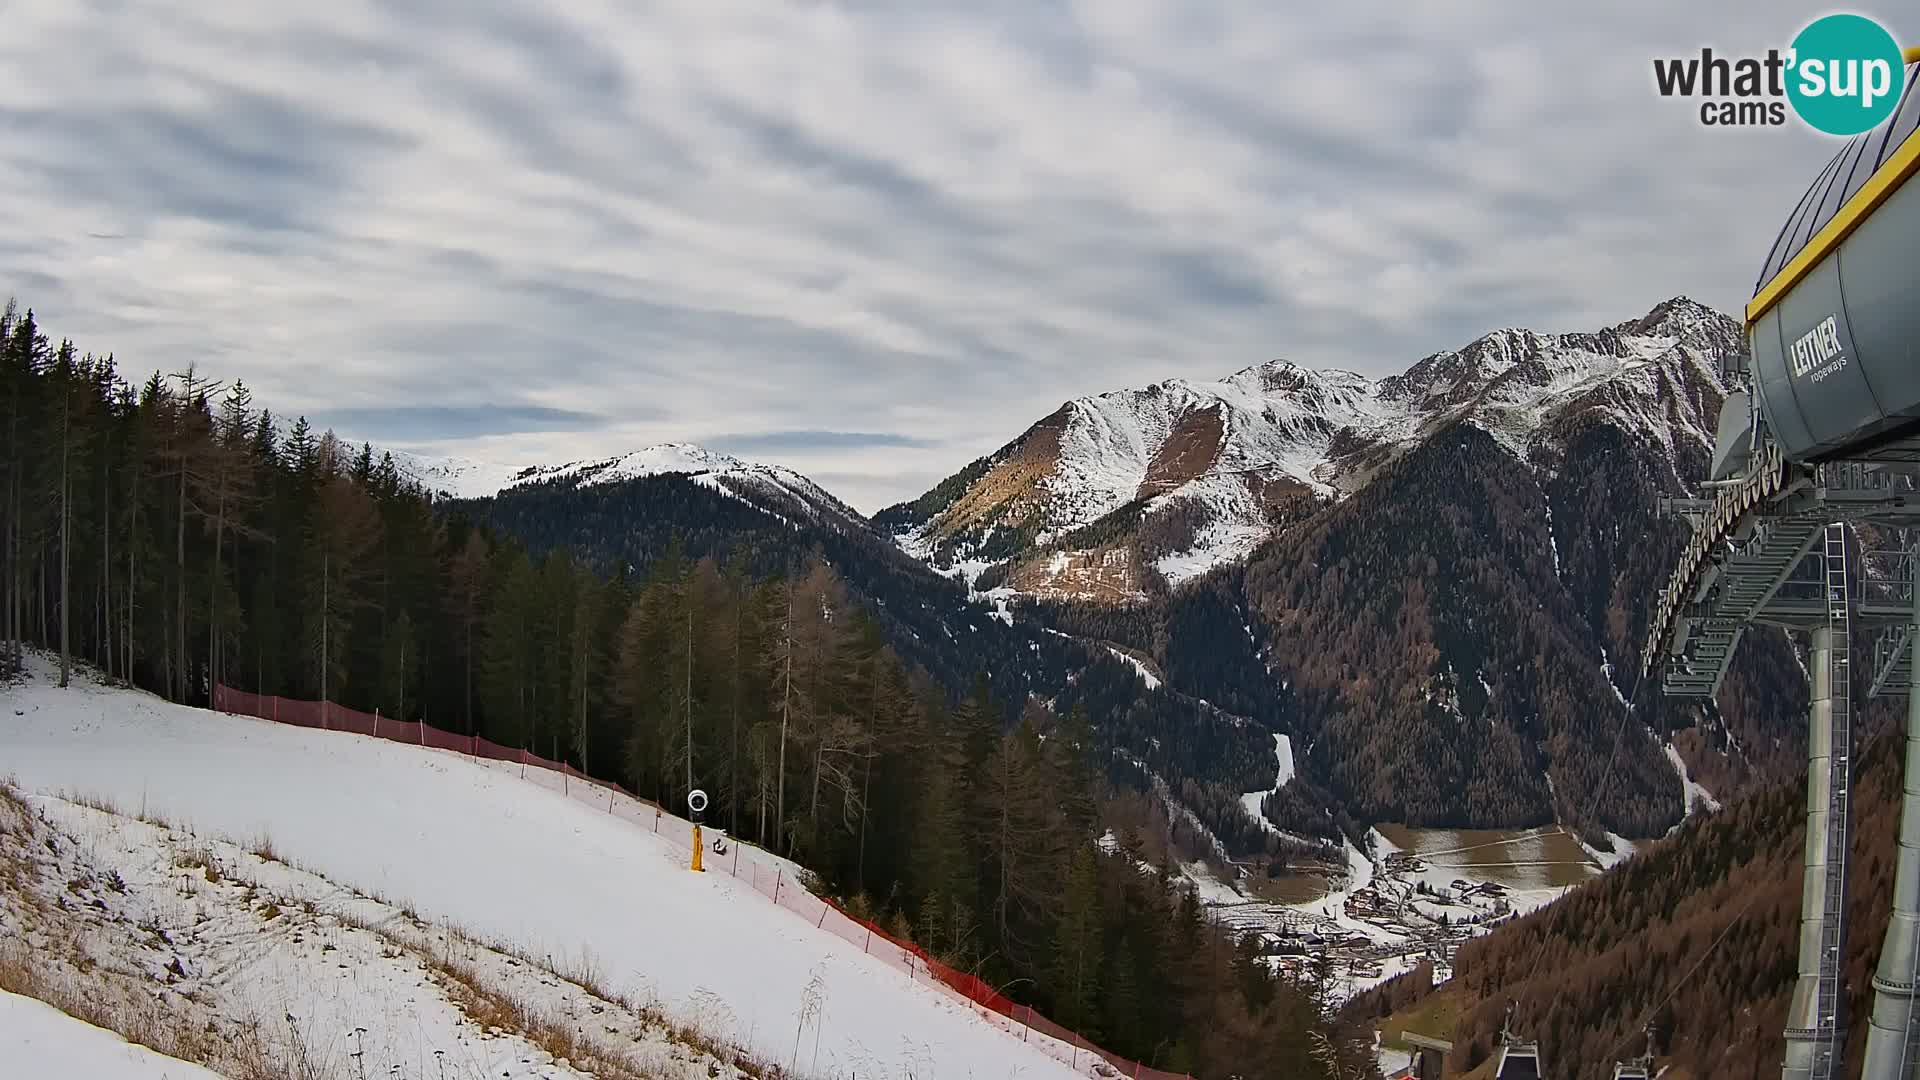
x: 172, y: 533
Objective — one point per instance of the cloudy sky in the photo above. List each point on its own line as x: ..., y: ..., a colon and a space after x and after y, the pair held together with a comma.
x: 869, y: 240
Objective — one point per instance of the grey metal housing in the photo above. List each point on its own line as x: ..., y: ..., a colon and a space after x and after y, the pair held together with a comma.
x: 1862, y: 400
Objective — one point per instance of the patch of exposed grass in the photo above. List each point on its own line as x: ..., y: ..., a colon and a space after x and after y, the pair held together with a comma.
x: 201, y: 859
x: 264, y: 850
x: 148, y: 1020
x: 92, y: 802
x: 466, y: 987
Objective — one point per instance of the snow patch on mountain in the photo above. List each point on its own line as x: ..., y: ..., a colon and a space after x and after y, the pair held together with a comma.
x: 1146, y: 674
x: 1283, y: 756
x: 1694, y: 795
x: 1221, y: 544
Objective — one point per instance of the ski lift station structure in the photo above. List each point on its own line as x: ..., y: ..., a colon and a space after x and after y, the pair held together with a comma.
x: 1821, y: 435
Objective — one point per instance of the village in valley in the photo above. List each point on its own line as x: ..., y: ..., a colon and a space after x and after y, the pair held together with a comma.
x: 1382, y: 914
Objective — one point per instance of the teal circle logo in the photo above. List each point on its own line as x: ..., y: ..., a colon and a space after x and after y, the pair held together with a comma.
x: 1845, y: 74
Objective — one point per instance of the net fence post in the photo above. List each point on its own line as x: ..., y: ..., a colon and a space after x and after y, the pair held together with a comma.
x: 376, y: 721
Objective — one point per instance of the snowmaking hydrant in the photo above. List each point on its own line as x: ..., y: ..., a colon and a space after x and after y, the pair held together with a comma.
x: 697, y: 809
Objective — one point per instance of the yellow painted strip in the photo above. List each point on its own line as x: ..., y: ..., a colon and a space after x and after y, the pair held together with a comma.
x: 1912, y: 55
x: 1884, y: 182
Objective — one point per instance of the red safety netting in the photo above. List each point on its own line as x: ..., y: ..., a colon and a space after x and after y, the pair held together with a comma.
x: 764, y: 872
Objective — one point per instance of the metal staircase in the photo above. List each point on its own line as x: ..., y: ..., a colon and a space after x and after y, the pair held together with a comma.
x: 1830, y: 1018
x: 1746, y: 578
x: 1893, y: 661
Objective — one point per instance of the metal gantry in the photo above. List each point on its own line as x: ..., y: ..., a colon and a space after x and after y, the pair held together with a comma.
x: 1752, y: 561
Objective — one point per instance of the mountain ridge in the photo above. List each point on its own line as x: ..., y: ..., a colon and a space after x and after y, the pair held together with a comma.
x: 1206, y: 470
x: 775, y: 489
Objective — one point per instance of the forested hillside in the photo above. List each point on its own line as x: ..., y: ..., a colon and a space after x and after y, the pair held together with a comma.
x: 173, y: 535
x: 1205, y: 755
x: 1696, y: 936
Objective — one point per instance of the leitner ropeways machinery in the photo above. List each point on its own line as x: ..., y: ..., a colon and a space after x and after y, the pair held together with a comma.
x: 1822, y: 436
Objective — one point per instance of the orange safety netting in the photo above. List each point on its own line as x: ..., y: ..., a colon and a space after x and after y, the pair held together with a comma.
x: 765, y: 873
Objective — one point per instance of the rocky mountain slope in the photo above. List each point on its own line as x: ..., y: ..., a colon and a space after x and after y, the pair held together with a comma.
x: 1445, y: 631
x: 1113, y: 496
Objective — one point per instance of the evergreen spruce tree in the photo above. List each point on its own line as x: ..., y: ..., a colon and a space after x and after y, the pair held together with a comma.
x: 1076, y: 950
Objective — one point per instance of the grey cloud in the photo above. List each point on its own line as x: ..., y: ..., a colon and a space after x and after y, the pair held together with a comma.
x: 874, y: 241
x: 1206, y: 278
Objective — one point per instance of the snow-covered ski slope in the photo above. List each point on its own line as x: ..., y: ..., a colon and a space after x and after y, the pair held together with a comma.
x: 507, y: 859
x: 39, y: 1040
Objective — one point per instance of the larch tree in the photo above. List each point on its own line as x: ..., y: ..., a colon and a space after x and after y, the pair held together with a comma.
x: 342, y: 530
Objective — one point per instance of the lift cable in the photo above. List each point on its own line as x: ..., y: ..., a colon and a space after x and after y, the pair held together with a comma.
x: 1619, y: 735
x: 1646, y: 1019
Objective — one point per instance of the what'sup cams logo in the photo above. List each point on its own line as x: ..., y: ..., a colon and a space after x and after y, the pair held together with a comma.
x: 1842, y: 75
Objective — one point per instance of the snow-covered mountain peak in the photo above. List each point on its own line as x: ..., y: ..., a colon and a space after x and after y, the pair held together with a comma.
x: 1679, y: 318
x: 661, y: 459
x: 774, y: 488
x: 1284, y: 376
x: 1203, y: 467
x: 457, y: 477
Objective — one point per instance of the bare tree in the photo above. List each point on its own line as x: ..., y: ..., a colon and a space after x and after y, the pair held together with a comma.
x: 786, y: 713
